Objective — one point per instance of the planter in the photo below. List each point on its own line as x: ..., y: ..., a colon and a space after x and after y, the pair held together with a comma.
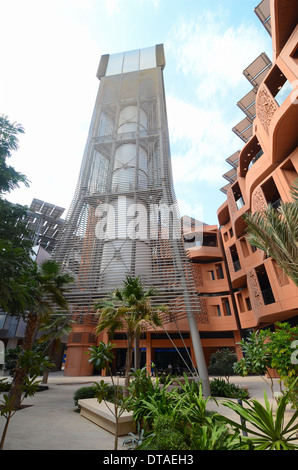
x: 100, y: 414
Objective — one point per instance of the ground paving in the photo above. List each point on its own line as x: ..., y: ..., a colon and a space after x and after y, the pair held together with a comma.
x: 50, y: 423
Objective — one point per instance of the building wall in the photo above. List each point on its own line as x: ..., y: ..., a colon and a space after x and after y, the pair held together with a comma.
x: 263, y: 293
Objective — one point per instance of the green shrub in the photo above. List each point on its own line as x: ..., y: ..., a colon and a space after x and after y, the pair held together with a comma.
x: 165, y: 436
x: 4, y: 385
x: 84, y: 392
x: 92, y: 391
x: 221, y: 388
x: 221, y: 362
x: 11, y: 358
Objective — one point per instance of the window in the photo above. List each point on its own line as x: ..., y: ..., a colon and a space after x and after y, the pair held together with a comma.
x: 278, y: 85
x: 219, y: 271
x: 244, y: 247
x: 265, y: 286
x: 235, y: 258
x: 218, y: 310
x: 238, y: 196
x: 248, y: 304
x: 226, y: 307
x: 271, y: 193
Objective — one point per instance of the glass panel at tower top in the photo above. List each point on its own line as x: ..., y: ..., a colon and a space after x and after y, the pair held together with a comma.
x: 131, y: 61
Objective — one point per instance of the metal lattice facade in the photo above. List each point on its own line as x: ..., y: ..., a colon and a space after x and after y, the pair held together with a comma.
x: 124, y: 218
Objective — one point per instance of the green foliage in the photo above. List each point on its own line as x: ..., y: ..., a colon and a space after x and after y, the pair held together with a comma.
x: 34, y: 363
x: 275, y: 231
x: 214, y: 436
x: 266, y: 428
x: 221, y: 388
x: 83, y: 393
x: 107, y: 392
x: 101, y: 355
x: 9, y: 177
x: 170, y: 434
x: 256, y: 354
x: 128, y: 309
x: 11, y: 358
x: 221, y: 362
x: 265, y: 350
x: 166, y: 436
x: 141, y: 383
x: 281, y: 351
x: 134, y: 440
x: 4, y: 385
x: 192, y: 405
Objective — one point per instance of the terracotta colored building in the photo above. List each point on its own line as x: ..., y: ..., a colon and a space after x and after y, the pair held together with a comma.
x: 264, y: 170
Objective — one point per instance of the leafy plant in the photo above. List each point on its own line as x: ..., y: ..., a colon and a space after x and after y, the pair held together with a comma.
x: 83, y: 393
x: 221, y: 363
x: 266, y: 430
x: 215, y: 436
x: 221, y: 388
x: 11, y: 358
x: 129, y: 309
x: 32, y: 364
x: 101, y: 356
x: 134, y: 440
x: 193, y: 406
x: 165, y: 435
x: 275, y: 232
x: 264, y: 350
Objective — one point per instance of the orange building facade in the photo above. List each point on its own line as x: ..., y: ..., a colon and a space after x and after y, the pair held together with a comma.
x: 239, y: 287
x: 266, y: 168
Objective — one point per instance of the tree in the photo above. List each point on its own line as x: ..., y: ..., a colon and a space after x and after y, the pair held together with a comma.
x: 9, y: 177
x: 101, y: 356
x: 221, y: 363
x: 15, y: 243
x: 264, y: 350
x: 46, y: 288
x: 128, y: 309
x: 52, y: 329
x: 32, y: 363
x: 275, y: 231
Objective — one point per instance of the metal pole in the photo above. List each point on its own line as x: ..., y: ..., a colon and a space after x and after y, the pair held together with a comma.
x: 199, y: 354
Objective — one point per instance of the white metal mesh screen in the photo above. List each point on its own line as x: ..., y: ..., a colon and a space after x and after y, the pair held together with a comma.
x: 124, y: 217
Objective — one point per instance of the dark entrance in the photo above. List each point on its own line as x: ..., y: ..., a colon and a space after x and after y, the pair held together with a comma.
x: 121, y: 358
x: 166, y: 356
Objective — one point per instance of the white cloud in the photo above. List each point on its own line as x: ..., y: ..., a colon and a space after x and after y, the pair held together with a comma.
x: 112, y: 6
x: 211, y: 58
x: 198, y: 138
x: 212, y: 54
x: 50, y: 88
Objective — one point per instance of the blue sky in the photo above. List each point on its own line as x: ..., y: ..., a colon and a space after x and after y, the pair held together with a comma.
x: 49, y: 58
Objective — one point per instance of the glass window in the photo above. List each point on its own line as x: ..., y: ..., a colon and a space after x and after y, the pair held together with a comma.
x: 115, y: 64
x: 131, y: 61
x: 147, y: 58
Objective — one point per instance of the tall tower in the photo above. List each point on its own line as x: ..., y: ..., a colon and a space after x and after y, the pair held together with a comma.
x: 124, y: 219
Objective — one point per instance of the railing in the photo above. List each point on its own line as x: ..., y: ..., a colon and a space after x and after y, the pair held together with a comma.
x: 256, y: 157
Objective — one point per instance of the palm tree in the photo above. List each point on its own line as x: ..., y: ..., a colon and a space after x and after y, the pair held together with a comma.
x: 128, y: 309
x: 275, y: 231
x: 46, y: 288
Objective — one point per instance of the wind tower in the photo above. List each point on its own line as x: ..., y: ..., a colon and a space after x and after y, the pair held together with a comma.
x: 124, y: 218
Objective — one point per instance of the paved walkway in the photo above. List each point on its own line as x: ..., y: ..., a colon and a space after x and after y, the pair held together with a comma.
x: 50, y: 423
